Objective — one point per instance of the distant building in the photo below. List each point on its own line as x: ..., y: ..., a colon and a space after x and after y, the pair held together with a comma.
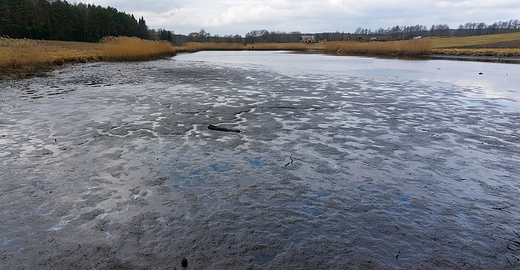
x: 307, y: 39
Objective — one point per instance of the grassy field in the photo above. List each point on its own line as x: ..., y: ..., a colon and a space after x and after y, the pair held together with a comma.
x: 490, y: 40
x: 26, y: 53
x: 400, y: 48
x: 487, y: 45
x: 20, y: 57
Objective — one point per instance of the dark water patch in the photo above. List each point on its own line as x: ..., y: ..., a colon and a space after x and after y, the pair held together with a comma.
x: 264, y: 257
x: 257, y: 163
x: 402, y: 198
x: 221, y: 168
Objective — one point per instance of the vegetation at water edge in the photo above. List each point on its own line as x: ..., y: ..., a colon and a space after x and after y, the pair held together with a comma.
x: 134, y: 49
x: 26, y: 56
x: 398, y: 48
x: 214, y: 46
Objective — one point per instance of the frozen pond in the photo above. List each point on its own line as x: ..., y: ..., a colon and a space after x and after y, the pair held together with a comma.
x: 342, y: 162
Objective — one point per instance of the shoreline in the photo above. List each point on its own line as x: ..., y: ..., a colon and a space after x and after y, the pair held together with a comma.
x: 482, y: 58
x: 28, y: 71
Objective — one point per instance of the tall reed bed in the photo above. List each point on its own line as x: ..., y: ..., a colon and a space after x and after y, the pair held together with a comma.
x: 280, y: 46
x: 399, y: 48
x: 21, y: 53
x: 499, y: 52
x: 213, y: 46
x: 134, y: 49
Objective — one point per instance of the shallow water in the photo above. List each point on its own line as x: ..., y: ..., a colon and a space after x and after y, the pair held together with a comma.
x: 342, y: 162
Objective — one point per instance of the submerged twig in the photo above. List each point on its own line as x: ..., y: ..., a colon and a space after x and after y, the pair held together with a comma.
x: 213, y: 127
x: 292, y: 160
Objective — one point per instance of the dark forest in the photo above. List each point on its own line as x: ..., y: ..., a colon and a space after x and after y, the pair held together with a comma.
x: 60, y: 20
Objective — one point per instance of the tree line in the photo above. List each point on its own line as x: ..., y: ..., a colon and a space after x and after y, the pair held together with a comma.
x: 60, y: 20
x: 467, y: 29
x: 254, y: 36
x: 392, y: 33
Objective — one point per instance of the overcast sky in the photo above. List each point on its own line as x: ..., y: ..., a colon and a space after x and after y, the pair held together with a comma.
x: 224, y: 17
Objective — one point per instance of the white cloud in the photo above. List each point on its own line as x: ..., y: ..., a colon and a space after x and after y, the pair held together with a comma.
x: 239, y: 17
x: 155, y: 6
x: 446, y: 4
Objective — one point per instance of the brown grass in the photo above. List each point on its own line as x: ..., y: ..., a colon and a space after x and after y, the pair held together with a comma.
x: 213, y: 46
x: 500, y: 52
x: 134, y: 49
x: 210, y: 46
x: 20, y: 57
x: 24, y: 56
x: 487, y: 45
x: 280, y: 46
x: 18, y: 53
x: 452, y: 42
x: 399, y: 48
x: 60, y: 52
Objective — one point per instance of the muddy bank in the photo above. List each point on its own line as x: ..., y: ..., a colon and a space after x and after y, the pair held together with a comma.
x: 112, y: 165
x: 496, y: 59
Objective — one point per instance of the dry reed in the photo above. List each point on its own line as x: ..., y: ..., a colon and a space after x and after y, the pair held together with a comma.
x: 19, y: 57
x: 213, y: 46
x: 500, y: 52
x: 20, y: 53
x: 398, y: 48
x: 280, y: 46
x: 134, y: 49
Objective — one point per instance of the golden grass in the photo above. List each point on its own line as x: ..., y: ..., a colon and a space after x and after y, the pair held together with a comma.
x: 461, y: 45
x: 435, y: 45
x: 213, y: 46
x: 280, y: 46
x: 500, y: 52
x: 399, y: 48
x: 450, y: 42
x: 60, y: 52
x: 58, y: 45
x: 25, y: 56
x: 18, y: 53
x: 134, y: 49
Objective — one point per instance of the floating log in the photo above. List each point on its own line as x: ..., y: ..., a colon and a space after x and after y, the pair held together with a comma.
x: 213, y: 127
